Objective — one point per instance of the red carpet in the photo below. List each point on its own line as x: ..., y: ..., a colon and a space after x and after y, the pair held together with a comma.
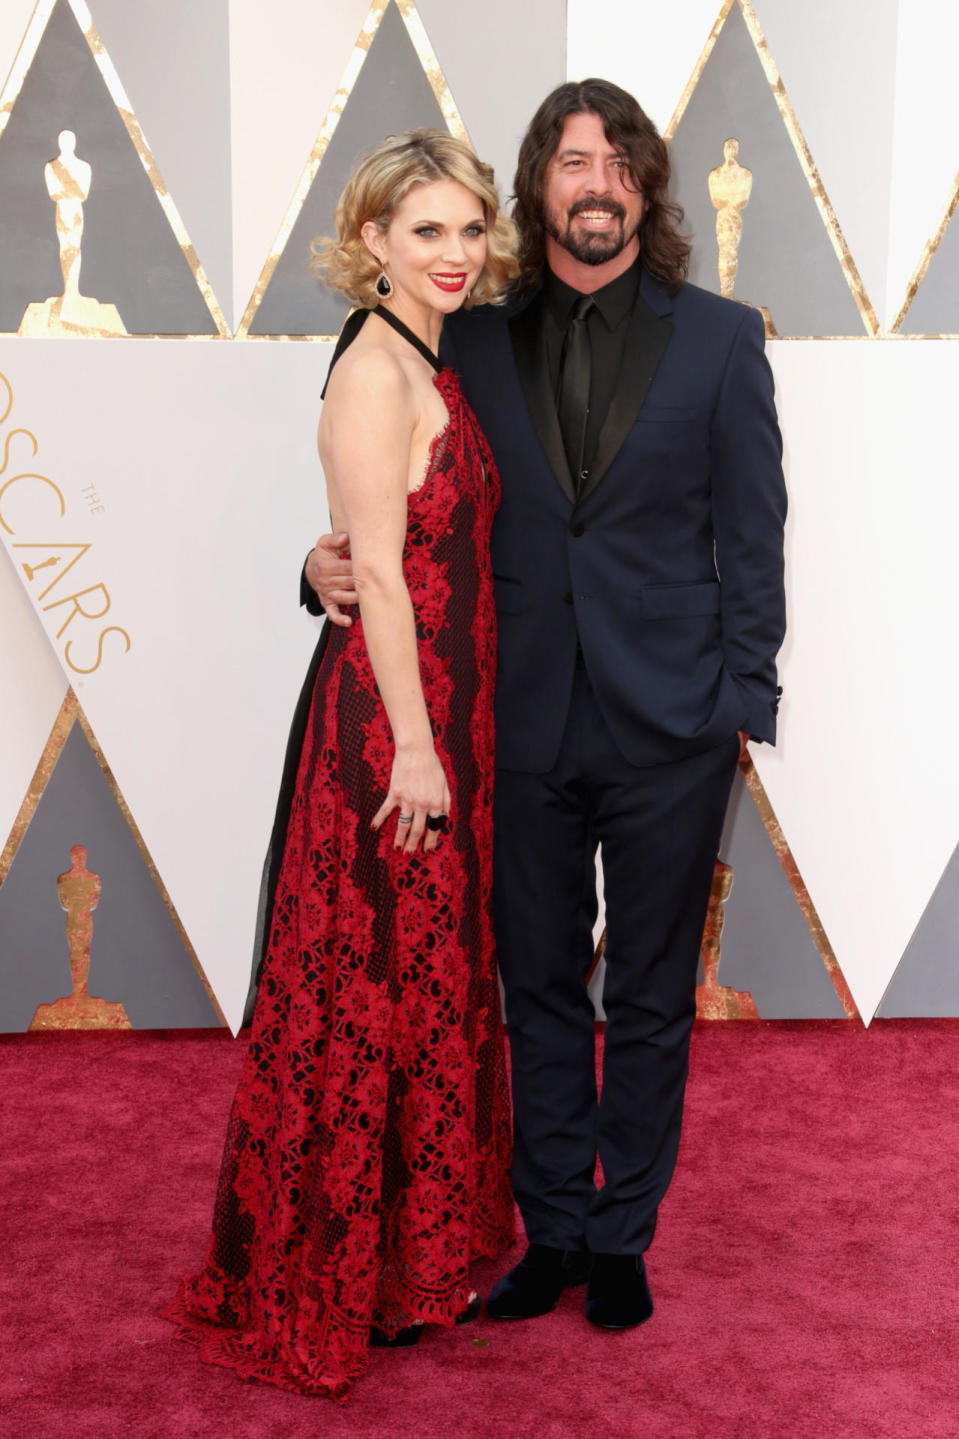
x: 804, y: 1269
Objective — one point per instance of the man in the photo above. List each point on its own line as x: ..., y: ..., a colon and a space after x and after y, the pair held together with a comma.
x: 638, y: 562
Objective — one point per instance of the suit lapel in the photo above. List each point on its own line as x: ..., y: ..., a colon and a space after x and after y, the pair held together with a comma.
x: 529, y: 351
x: 647, y: 338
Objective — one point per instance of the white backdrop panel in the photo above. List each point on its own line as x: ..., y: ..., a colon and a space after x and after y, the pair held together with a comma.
x: 203, y: 458
x: 33, y: 687
x: 172, y: 59
x: 31, y: 681
x: 14, y: 18
x: 286, y: 62
x: 649, y: 49
x: 865, y: 777
x: 838, y: 73
x: 926, y: 141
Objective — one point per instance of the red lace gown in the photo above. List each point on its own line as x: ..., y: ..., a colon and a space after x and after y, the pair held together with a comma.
x: 367, y: 1153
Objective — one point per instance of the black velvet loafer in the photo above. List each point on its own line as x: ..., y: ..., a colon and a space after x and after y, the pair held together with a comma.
x: 618, y: 1296
x: 534, y: 1286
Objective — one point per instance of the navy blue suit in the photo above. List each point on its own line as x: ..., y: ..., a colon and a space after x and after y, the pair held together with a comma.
x: 638, y: 631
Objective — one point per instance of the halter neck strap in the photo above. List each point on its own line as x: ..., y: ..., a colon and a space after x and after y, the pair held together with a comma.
x: 353, y: 326
x: 407, y: 334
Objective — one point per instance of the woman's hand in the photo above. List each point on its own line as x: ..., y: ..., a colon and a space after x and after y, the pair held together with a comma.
x: 418, y: 788
x: 329, y: 571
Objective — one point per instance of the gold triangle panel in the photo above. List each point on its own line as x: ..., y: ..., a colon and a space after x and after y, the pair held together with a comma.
x: 946, y: 307
x: 91, y: 242
x: 75, y: 857
x: 393, y: 81
x: 925, y: 983
x: 803, y: 898
x: 740, y: 186
x: 760, y: 905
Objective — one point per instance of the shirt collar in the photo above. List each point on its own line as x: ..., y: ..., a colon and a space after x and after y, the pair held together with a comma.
x: 614, y: 301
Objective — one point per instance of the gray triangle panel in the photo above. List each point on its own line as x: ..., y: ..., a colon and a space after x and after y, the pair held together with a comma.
x: 935, y: 310
x: 130, y: 256
x: 137, y: 956
x: 391, y: 94
x: 766, y: 947
x: 786, y: 260
x: 926, y: 982
x: 173, y: 57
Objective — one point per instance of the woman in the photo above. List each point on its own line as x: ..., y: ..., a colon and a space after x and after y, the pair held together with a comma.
x: 367, y: 1152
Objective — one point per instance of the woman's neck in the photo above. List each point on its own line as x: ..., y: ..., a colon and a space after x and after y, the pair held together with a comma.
x: 425, y: 322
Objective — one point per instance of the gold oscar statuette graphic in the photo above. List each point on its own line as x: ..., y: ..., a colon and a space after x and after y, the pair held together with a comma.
x: 79, y: 892
x: 715, y: 1000
x: 730, y: 186
x: 68, y: 180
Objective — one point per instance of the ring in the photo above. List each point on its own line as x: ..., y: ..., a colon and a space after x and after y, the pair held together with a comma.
x: 405, y: 819
x: 436, y: 821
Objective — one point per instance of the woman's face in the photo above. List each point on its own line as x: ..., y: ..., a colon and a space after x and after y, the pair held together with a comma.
x: 435, y: 248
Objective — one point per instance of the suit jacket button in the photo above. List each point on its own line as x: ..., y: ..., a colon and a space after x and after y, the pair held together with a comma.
x: 577, y: 530
x: 568, y: 597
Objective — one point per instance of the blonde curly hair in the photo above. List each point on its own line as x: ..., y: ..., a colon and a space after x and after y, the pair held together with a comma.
x: 381, y: 180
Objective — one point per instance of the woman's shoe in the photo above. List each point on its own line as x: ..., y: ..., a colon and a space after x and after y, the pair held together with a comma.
x: 471, y: 1311
x: 406, y: 1338
x: 402, y: 1339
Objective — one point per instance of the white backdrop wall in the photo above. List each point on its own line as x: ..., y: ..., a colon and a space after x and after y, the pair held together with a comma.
x: 202, y: 451
x: 864, y: 780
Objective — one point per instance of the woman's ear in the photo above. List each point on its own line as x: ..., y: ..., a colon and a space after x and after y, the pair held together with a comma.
x: 373, y: 240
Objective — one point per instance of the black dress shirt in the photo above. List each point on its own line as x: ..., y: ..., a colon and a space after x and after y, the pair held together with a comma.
x: 608, y: 325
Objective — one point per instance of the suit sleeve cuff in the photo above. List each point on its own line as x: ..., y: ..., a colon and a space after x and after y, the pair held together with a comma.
x: 308, y: 596
x: 760, y: 722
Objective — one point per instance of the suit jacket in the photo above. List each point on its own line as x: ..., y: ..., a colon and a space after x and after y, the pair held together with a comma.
x: 668, y: 570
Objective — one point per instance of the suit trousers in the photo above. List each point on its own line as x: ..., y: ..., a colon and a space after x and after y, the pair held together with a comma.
x: 659, y: 827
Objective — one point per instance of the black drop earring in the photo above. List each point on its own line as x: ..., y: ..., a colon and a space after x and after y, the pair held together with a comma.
x: 384, y: 287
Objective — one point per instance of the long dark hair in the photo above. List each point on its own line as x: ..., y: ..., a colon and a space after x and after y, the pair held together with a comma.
x: 664, y: 249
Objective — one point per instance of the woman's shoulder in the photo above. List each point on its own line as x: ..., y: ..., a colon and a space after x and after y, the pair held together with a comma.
x: 371, y: 382
x: 373, y: 370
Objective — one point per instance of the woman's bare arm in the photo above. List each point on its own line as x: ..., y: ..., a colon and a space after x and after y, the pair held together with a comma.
x: 368, y: 464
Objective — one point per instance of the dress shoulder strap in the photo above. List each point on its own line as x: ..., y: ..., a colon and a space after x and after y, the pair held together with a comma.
x: 353, y: 326
x: 407, y: 334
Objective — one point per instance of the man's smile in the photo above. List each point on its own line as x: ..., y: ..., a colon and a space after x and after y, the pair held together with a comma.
x: 597, y: 214
x: 596, y: 218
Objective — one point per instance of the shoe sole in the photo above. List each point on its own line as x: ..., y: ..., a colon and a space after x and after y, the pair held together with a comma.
x: 512, y: 1318
x: 538, y: 1313
x: 619, y: 1328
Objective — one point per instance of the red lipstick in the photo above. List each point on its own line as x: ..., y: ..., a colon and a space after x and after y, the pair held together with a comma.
x: 451, y: 283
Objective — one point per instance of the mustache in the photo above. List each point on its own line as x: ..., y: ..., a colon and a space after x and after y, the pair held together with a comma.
x: 596, y: 202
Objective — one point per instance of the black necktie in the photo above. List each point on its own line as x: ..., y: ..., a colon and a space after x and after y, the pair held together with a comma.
x: 572, y: 400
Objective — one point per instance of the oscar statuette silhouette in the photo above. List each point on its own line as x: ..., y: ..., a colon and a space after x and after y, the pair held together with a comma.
x: 730, y: 186
x: 79, y: 891
x: 715, y: 1000
x: 68, y: 180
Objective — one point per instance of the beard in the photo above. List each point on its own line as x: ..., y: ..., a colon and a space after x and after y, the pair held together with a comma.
x: 587, y: 246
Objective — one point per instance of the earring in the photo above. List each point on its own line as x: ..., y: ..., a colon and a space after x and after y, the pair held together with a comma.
x: 384, y: 286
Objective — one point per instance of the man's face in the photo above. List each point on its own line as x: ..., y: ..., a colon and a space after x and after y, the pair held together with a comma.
x: 588, y: 206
